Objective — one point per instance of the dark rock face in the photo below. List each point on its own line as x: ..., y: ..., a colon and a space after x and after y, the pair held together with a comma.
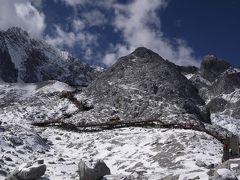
x: 30, y: 60
x: 184, y: 69
x: 217, y: 105
x: 226, y: 83
x: 212, y: 67
x: 8, y: 72
x: 188, y: 69
x: 144, y: 86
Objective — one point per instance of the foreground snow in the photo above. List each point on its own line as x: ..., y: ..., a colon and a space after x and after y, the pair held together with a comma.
x: 161, y: 152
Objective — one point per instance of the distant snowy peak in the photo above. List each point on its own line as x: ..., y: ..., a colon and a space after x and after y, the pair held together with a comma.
x: 24, y: 59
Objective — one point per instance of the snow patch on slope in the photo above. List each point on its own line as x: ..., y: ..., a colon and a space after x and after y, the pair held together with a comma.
x: 232, y: 97
x: 227, y: 122
x: 160, y: 152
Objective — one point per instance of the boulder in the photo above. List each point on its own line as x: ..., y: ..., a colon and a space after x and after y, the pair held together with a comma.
x: 98, y: 171
x: 229, y: 170
x: 224, y: 174
x: 28, y: 171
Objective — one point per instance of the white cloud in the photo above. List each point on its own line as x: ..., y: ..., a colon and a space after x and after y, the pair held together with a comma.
x: 93, y: 18
x: 78, y: 25
x: 74, y: 2
x: 96, y: 3
x: 62, y: 39
x: 116, y: 52
x: 140, y: 25
x: 23, y: 14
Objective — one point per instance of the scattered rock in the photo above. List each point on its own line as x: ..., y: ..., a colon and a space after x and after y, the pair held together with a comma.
x: 8, y: 159
x: 211, y: 172
x: 195, y: 178
x: 61, y: 159
x: 51, y: 162
x: 117, y: 177
x: 58, y: 138
x: 200, y: 163
x: 16, y: 141
x: 171, y: 177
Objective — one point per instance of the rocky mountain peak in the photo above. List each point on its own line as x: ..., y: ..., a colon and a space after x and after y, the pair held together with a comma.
x: 212, y: 67
x: 143, y: 52
x: 143, y: 86
x: 17, y: 31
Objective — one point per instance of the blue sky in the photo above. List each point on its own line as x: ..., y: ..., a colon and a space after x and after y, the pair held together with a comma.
x: 98, y: 32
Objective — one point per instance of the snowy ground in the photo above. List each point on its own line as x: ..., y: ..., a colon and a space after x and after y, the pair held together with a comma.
x: 226, y: 121
x: 161, y: 152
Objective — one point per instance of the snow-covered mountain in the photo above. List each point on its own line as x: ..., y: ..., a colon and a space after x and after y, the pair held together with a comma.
x: 141, y: 86
x: 219, y: 84
x: 24, y: 59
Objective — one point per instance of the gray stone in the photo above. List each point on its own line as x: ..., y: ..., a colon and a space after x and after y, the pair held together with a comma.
x: 99, y: 171
x: 2, y: 172
x: 118, y: 177
x: 195, y: 178
x: 171, y: 177
x: 211, y: 172
x: 200, y: 163
x: 16, y: 141
x: 224, y: 174
x: 28, y: 171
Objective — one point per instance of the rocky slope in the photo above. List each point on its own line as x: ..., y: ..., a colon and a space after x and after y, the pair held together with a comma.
x: 143, y: 86
x: 24, y: 59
